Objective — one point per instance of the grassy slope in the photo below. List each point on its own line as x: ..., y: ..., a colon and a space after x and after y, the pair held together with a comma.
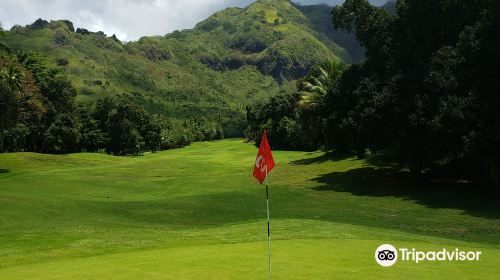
x: 196, y: 213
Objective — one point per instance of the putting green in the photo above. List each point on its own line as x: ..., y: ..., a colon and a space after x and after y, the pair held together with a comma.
x: 292, y: 259
x: 196, y: 213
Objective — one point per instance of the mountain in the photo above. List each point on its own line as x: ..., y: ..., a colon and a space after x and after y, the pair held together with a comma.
x: 320, y: 19
x: 390, y: 6
x: 213, y: 70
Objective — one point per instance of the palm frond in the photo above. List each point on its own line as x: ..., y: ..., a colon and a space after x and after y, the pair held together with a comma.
x: 5, y: 48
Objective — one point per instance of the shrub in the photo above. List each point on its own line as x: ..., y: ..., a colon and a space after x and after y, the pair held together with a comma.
x: 62, y: 62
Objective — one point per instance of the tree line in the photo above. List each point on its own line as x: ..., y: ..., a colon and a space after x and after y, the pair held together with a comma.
x: 39, y: 113
x: 427, y: 90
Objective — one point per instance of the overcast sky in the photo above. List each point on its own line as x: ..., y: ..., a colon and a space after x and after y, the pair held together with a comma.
x: 128, y: 19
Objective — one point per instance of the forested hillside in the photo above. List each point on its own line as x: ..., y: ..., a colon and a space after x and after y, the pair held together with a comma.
x: 213, y: 71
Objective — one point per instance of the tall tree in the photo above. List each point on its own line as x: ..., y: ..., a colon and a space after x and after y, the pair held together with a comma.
x: 10, y: 87
x: 63, y: 134
x: 397, y: 97
x: 122, y: 121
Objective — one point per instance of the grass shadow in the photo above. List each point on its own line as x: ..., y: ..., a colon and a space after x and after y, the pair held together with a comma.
x: 324, y: 157
x: 4, y: 170
x: 383, y: 160
x: 476, y: 198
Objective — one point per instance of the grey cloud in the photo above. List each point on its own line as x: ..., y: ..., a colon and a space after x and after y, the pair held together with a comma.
x: 334, y: 2
x: 128, y: 19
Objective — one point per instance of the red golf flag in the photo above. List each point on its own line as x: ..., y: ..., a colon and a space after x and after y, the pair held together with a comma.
x: 264, y: 162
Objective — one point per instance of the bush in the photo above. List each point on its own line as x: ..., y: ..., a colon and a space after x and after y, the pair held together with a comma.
x: 280, y: 116
x: 229, y: 27
x: 249, y: 43
x: 15, y: 138
x: 208, y: 24
x: 63, y: 135
x: 62, y: 62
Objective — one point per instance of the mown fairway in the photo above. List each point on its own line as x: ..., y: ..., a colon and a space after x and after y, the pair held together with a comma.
x: 196, y: 213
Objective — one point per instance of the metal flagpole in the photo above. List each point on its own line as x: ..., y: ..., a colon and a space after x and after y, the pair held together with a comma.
x: 268, y: 228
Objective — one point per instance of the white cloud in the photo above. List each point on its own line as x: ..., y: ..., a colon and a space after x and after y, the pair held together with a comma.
x: 128, y: 19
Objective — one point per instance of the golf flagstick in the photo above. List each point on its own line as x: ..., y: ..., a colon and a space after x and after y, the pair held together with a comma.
x: 264, y: 163
x: 268, y: 227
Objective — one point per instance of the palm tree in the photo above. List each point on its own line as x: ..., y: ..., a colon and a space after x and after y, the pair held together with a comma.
x: 12, y: 77
x: 4, y: 47
x: 314, y: 86
x: 313, y: 90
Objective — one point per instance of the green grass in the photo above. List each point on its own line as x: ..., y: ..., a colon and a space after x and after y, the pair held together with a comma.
x: 271, y: 15
x: 196, y: 213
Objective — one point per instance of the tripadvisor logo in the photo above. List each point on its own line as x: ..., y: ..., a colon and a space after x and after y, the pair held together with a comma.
x: 387, y: 255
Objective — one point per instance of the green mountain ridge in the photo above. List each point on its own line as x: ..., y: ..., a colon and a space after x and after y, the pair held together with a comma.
x: 214, y: 70
x: 390, y: 6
